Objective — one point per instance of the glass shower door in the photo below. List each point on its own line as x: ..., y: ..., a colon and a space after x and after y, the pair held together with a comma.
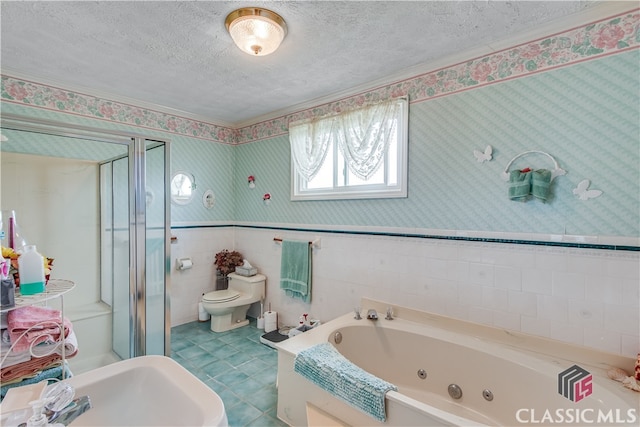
x: 156, y: 261
x: 115, y: 251
x: 135, y: 245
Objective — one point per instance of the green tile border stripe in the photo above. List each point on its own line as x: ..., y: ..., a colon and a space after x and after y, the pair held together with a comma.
x: 598, y: 246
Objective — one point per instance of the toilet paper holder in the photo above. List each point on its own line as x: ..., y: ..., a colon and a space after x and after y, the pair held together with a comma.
x: 183, y: 263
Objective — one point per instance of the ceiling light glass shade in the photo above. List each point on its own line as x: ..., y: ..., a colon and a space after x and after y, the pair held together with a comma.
x: 256, y: 31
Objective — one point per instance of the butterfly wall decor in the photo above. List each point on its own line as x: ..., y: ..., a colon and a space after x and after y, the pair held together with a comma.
x: 583, y: 192
x: 484, y: 156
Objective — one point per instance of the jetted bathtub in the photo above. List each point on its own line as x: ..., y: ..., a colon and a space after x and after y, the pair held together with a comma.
x: 504, y: 378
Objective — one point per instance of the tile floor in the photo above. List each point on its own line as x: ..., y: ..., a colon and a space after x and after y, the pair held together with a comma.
x: 234, y: 364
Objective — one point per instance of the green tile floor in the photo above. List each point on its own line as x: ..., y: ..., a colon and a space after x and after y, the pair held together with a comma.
x: 234, y: 364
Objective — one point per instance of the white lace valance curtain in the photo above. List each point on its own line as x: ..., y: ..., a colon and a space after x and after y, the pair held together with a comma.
x: 309, y: 145
x: 362, y: 136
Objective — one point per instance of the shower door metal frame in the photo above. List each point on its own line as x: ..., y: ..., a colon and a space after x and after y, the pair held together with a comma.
x: 137, y: 215
x: 137, y: 247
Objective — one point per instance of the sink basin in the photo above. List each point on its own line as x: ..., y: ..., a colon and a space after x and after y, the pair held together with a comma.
x: 147, y: 391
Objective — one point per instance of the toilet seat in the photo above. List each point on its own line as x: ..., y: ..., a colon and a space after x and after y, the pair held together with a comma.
x: 225, y: 295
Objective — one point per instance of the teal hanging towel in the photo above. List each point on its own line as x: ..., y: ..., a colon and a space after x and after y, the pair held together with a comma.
x: 540, y: 183
x: 295, y: 269
x: 519, y: 184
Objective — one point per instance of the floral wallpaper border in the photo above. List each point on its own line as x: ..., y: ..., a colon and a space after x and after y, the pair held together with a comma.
x: 38, y: 95
x: 604, y: 37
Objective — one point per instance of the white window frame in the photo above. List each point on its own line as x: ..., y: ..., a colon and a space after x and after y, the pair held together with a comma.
x: 299, y: 191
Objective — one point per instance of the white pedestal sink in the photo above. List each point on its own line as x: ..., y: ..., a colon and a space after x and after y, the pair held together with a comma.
x: 147, y: 391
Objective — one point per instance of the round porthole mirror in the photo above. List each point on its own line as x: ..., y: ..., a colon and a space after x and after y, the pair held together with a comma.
x: 183, y: 188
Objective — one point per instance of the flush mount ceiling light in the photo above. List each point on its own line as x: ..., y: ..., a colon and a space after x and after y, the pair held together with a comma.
x: 256, y: 31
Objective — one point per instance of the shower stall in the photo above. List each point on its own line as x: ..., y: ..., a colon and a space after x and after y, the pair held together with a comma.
x: 134, y: 248
x: 129, y: 236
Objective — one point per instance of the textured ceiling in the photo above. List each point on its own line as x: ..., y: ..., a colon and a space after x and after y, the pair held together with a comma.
x: 178, y: 55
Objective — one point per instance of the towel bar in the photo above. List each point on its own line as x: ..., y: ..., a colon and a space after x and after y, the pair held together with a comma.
x: 314, y: 243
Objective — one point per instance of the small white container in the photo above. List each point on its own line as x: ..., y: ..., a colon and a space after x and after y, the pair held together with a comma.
x: 203, y: 316
x: 31, y: 269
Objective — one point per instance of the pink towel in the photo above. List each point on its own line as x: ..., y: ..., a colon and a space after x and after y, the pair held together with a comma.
x: 28, y: 369
x: 29, y: 326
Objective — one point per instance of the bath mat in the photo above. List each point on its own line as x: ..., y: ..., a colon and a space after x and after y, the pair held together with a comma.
x: 324, y: 366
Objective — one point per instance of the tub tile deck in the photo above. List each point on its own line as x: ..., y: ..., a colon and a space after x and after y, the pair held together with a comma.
x: 234, y: 364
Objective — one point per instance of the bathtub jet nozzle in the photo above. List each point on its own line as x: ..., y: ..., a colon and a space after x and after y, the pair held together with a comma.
x: 454, y: 391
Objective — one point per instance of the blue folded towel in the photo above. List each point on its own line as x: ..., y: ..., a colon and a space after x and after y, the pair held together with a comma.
x: 54, y: 373
x: 324, y: 366
x: 295, y: 269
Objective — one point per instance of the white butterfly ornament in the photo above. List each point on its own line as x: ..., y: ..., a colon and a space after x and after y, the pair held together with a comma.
x: 583, y: 192
x: 483, y: 157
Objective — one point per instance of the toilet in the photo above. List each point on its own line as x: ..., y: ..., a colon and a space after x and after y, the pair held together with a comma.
x: 228, y: 308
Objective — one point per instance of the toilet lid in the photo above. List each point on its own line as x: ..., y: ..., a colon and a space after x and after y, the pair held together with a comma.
x: 225, y: 295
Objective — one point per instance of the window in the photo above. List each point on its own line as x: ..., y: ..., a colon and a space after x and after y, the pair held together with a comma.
x: 355, y: 155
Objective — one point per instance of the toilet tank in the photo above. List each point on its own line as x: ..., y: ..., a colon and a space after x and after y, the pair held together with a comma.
x: 252, y: 285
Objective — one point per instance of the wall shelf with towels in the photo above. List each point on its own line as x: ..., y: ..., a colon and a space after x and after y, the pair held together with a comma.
x: 55, y: 288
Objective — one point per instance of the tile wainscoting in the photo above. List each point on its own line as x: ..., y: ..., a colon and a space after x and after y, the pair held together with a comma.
x: 582, y: 296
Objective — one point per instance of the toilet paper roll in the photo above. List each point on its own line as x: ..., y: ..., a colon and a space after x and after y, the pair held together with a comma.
x: 184, y: 263
x: 270, y: 321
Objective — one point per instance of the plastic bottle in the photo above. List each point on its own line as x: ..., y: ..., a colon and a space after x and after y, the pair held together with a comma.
x: 37, y: 419
x: 31, y: 269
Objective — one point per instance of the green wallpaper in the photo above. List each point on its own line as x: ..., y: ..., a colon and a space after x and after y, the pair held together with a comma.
x: 212, y: 167
x: 211, y: 163
x: 59, y: 146
x: 587, y: 116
